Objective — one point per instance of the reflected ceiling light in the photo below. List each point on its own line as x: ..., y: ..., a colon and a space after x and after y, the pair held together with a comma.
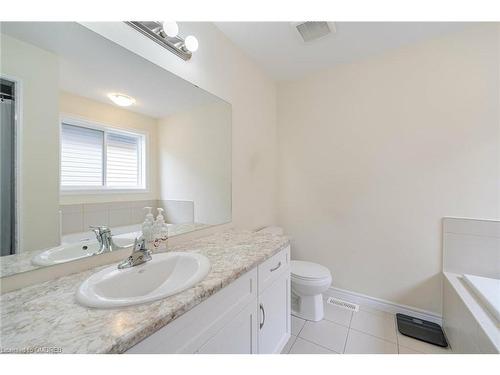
x: 170, y: 28
x: 191, y: 43
x: 165, y: 33
x: 121, y: 99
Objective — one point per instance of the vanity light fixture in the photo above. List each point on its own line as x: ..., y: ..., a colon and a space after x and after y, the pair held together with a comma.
x: 191, y: 43
x: 121, y: 99
x: 170, y: 28
x: 165, y: 33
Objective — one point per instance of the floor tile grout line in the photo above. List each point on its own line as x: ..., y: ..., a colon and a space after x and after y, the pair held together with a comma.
x: 312, y: 342
x: 349, y: 328
x: 393, y: 317
x: 350, y: 320
x: 315, y: 343
x: 329, y: 321
x: 379, y: 313
x: 348, y: 331
x: 415, y: 350
x: 377, y: 337
x: 340, y: 324
x: 435, y: 347
x: 301, y: 328
x: 396, y: 328
x: 325, y: 318
x: 345, y: 342
x: 293, y: 343
x: 346, y: 339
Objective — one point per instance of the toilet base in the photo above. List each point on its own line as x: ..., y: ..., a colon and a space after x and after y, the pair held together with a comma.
x: 308, y: 307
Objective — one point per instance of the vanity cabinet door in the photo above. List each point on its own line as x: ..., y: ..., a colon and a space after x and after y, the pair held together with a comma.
x: 274, y: 315
x: 238, y: 337
x: 196, y: 328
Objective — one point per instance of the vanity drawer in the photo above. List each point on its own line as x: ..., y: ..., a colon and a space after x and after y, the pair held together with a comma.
x: 273, y: 267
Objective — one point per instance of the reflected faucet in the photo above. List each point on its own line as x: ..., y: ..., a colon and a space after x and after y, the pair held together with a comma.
x: 105, y: 240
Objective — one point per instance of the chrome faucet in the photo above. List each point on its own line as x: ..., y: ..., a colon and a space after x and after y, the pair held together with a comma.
x: 140, y: 254
x: 105, y: 239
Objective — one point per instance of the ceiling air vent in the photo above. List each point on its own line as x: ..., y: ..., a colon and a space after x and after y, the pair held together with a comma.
x: 310, y: 31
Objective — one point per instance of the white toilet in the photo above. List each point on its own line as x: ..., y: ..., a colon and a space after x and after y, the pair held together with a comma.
x: 309, y: 281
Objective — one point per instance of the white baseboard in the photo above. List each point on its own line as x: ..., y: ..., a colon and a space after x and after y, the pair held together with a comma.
x: 383, y: 305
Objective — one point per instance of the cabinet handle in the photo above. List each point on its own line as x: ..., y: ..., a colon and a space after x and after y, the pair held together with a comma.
x: 275, y: 268
x: 263, y: 316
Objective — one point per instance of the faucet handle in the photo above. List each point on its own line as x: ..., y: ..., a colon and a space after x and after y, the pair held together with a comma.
x: 99, y: 229
x: 139, y: 244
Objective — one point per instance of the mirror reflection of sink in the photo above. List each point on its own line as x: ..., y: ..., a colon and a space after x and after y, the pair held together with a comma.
x: 73, y: 251
x: 166, y: 274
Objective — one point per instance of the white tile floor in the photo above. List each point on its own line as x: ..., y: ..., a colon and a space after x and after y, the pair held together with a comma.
x: 367, y: 331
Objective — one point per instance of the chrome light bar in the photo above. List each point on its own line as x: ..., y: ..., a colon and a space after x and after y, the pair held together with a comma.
x: 154, y: 31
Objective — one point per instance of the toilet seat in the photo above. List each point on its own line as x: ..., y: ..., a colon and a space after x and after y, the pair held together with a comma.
x: 308, y: 271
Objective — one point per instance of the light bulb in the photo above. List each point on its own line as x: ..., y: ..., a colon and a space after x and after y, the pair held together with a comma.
x: 191, y: 43
x: 121, y: 99
x: 170, y: 28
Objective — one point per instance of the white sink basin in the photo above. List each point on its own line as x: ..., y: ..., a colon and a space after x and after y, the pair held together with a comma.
x: 166, y: 274
x: 68, y: 252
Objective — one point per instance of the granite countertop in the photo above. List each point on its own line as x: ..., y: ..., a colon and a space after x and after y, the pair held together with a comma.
x: 47, y: 315
x: 18, y: 263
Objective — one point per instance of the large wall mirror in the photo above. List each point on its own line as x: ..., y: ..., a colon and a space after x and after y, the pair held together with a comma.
x: 91, y: 134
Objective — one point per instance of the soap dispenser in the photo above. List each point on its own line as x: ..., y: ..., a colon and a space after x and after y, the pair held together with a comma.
x: 163, y: 228
x: 147, y: 227
x: 149, y: 215
x: 158, y: 229
x: 164, y: 233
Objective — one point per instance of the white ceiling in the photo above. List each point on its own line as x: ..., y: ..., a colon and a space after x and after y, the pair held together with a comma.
x: 276, y: 47
x: 92, y: 66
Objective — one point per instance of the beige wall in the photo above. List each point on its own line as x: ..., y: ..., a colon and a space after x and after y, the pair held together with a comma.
x: 195, y: 160
x: 90, y: 110
x: 222, y: 69
x: 373, y: 154
x: 39, y: 135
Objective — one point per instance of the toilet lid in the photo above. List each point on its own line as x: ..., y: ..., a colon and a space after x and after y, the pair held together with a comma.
x: 309, y: 270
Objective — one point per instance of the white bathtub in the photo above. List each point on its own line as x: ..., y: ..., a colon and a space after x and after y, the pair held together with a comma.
x: 488, y: 292
x: 469, y: 325
x: 471, y: 290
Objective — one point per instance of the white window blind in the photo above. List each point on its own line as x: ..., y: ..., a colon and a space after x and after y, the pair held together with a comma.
x: 122, y: 160
x: 100, y: 158
x: 81, y: 156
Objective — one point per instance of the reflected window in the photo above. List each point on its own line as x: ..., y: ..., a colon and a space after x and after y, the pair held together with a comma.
x: 99, y: 158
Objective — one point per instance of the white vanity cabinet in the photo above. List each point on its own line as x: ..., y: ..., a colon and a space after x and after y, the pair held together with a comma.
x: 251, y: 315
x: 274, y: 303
